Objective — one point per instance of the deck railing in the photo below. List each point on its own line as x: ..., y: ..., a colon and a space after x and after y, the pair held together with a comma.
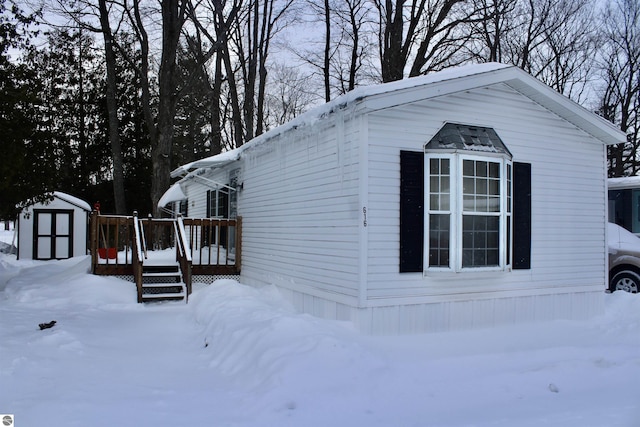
x: 119, y: 242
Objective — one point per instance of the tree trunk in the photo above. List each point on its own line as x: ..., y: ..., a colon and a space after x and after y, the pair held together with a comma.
x: 112, y: 110
x: 327, y: 51
x: 173, y: 12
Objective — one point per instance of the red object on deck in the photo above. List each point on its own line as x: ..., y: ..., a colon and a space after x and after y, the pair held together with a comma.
x: 109, y: 253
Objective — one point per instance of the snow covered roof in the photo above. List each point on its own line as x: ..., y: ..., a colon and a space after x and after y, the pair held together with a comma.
x: 624, y: 182
x: 61, y: 196
x: 73, y: 200
x: 208, y: 162
x: 173, y: 194
x: 387, y: 95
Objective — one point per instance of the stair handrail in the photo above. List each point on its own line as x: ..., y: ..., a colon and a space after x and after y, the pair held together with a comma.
x: 137, y: 256
x: 138, y: 236
x: 143, y: 237
x: 184, y: 253
x: 182, y: 237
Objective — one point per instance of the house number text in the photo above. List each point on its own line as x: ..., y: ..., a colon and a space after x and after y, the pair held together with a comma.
x: 364, y: 212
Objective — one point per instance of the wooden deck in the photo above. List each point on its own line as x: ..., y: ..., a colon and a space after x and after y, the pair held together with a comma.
x: 130, y: 246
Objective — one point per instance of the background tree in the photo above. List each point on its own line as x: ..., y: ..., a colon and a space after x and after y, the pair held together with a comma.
x: 620, y: 73
x: 22, y: 176
x: 259, y: 23
x: 424, y: 35
x: 70, y: 118
x: 112, y: 108
x: 344, y: 54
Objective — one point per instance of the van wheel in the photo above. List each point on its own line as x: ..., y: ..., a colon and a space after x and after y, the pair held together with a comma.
x: 626, y: 280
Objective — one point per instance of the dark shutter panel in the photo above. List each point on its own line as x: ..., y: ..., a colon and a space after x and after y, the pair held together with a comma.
x: 521, y: 216
x: 411, y: 211
x: 208, y: 212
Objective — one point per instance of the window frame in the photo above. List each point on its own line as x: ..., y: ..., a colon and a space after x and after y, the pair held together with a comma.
x: 457, y: 211
x: 217, y: 201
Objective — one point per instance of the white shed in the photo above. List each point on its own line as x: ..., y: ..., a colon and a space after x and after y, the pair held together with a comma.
x: 54, y: 229
x: 467, y: 198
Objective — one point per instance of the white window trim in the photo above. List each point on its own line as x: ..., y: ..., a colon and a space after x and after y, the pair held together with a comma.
x: 214, y: 202
x: 456, y: 214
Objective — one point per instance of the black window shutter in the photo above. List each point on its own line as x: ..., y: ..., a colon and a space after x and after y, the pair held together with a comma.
x: 411, y: 211
x: 521, y: 216
x: 208, y: 213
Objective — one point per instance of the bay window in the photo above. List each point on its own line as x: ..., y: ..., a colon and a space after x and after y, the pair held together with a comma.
x: 468, y: 200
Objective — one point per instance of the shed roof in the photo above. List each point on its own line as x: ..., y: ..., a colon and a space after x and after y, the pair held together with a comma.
x: 387, y: 95
x: 67, y: 198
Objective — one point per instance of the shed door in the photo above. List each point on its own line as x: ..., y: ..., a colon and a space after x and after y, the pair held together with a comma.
x: 52, y: 234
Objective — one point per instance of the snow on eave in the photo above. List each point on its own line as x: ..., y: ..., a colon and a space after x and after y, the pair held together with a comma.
x: 414, y: 89
x: 173, y: 194
x: 564, y: 107
x: 57, y: 195
x: 357, y: 95
x: 73, y: 200
x: 623, y: 182
x: 208, y: 162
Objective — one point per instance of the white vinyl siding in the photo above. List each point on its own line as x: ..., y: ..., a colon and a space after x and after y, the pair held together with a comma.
x: 320, y: 206
x: 299, y: 206
x: 568, y: 195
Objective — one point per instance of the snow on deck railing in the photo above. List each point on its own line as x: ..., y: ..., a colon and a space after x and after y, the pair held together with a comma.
x: 182, y: 235
x: 136, y: 236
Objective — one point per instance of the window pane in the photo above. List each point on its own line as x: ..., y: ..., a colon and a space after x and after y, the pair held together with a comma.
x: 481, y: 186
x: 444, y: 163
x: 439, y: 183
x: 445, y: 184
x: 434, y: 202
x: 434, y: 183
x: 508, y: 188
x: 494, y: 170
x: 481, y: 168
x: 468, y: 168
x: 481, y: 193
x: 494, y: 187
x: 481, y: 241
x: 493, y: 204
x: 469, y: 203
x: 434, y: 166
x: 439, y: 232
x: 444, y: 202
x: 468, y: 186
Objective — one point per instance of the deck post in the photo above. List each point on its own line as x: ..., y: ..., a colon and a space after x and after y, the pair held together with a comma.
x: 93, y: 239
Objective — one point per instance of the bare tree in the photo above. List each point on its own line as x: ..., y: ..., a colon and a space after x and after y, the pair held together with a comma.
x: 85, y: 15
x: 492, y: 28
x: 112, y: 110
x: 426, y: 35
x: 566, y: 62
x: 346, y: 44
x: 173, y: 18
x: 353, y: 18
x: 216, y: 20
x: 261, y: 21
x: 288, y: 96
x: 620, y: 98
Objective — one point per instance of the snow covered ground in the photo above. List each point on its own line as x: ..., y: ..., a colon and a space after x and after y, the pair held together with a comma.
x: 240, y: 356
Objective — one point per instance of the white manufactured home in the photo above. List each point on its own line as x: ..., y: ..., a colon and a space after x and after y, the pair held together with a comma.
x: 467, y: 198
x: 54, y: 229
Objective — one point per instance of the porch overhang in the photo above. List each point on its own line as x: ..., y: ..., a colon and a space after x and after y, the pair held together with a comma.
x: 212, y: 162
x: 173, y: 194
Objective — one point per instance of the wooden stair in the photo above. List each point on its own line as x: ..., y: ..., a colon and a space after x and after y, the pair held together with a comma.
x: 162, y: 283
